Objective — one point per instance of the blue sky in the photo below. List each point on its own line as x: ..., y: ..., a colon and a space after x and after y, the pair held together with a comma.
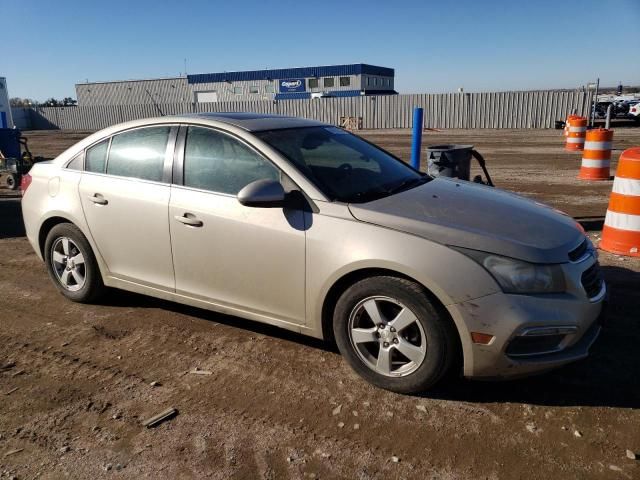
x: 434, y: 46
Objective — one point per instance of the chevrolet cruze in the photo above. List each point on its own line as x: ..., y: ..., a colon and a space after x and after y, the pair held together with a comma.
x: 305, y: 226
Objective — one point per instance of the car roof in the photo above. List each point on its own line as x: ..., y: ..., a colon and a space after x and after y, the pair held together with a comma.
x: 252, y: 122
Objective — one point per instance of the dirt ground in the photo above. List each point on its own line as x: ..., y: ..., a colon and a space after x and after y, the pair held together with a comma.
x: 79, y: 379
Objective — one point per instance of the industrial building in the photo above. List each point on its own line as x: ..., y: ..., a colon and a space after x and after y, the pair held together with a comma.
x: 279, y: 84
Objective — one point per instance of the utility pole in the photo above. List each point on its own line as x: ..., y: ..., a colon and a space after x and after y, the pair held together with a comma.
x: 593, y: 105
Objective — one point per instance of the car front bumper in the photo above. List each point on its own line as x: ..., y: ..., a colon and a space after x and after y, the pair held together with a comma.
x: 508, y: 317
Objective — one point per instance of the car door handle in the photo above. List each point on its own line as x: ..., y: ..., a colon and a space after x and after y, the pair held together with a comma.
x: 98, y: 199
x: 189, y: 219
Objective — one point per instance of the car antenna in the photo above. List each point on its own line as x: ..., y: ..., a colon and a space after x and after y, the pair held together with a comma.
x: 155, y: 104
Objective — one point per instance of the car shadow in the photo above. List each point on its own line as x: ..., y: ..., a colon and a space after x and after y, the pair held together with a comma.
x: 607, y: 378
x: 591, y: 224
x: 11, y: 224
x: 122, y: 298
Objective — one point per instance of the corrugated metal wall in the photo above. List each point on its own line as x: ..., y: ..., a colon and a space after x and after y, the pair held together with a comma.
x: 134, y: 92
x: 533, y: 109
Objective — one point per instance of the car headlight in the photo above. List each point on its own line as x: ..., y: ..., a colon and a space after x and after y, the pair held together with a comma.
x: 518, y: 276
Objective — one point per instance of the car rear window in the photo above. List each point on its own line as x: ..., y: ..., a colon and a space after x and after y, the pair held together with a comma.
x: 96, y: 157
x: 139, y: 153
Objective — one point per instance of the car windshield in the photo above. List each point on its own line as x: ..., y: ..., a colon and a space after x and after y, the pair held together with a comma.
x: 343, y: 166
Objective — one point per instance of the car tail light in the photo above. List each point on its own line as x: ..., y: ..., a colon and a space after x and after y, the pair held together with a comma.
x: 25, y: 182
x: 633, y: 109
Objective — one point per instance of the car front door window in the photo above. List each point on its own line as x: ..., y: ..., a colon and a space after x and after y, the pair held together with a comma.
x: 219, y: 163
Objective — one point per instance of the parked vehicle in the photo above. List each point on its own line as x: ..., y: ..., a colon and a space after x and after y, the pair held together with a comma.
x: 305, y: 226
x: 634, y: 110
x: 601, y: 109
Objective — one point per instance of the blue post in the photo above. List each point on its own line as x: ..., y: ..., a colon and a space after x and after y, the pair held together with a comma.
x: 417, y: 138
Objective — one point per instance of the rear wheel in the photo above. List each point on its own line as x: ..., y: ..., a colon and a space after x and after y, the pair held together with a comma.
x: 72, y: 265
x: 391, y: 334
x: 11, y: 181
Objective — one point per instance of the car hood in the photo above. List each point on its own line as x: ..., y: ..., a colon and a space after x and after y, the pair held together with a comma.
x: 470, y: 215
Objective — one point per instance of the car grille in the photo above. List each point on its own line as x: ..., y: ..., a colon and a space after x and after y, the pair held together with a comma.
x: 578, y: 252
x: 592, y: 280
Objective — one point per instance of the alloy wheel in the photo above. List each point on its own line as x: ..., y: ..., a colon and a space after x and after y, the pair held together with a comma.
x: 68, y: 264
x: 387, y: 336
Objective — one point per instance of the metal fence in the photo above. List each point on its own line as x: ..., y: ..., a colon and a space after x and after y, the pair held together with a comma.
x: 526, y: 109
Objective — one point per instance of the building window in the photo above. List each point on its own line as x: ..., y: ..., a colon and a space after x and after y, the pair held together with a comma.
x: 269, y: 88
x: 313, y: 83
x: 345, y: 81
x: 254, y: 89
x: 329, y: 82
x: 375, y: 82
x: 368, y: 81
x: 237, y: 90
x: 207, y: 96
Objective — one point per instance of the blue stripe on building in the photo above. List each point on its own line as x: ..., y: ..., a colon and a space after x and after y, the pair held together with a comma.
x: 302, y: 72
x: 333, y: 93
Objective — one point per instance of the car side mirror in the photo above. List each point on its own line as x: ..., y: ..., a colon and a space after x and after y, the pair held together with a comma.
x: 262, y: 194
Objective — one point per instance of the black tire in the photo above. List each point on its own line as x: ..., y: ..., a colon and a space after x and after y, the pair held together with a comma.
x: 441, y: 336
x: 93, y: 287
x: 11, y: 182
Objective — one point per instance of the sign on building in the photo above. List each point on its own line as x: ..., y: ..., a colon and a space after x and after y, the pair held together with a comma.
x: 291, y: 85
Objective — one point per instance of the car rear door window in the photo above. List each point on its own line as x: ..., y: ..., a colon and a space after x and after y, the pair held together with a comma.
x: 96, y: 157
x: 139, y: 153
x: 220, y: 163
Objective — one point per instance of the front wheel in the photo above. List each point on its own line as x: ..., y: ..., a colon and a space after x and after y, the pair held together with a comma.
x: 72, y: 265
x: 391, y: 334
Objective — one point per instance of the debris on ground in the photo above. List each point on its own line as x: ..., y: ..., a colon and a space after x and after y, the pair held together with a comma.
x: 8, y: 366
x: 631, y: 454
x: 577, y: 433
x: 337, y: 410
x: 155, y: 384
x: 422, y: 408
x: 197, y: 371
x: 13, y: 452
x: 11, y: 391
x: 395, y: 459
x: 160, y: 417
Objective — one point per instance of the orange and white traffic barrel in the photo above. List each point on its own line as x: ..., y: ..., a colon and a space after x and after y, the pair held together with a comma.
x: 577, y: 131
x: 566, y: 124
x: 621, y: 231
x: 596, y: 155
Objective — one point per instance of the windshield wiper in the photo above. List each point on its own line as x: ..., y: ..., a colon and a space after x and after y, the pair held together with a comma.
x: 408, y: 183
x: 369, y: 195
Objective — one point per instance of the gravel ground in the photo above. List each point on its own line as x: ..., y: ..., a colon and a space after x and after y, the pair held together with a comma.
x: 270, y: 404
